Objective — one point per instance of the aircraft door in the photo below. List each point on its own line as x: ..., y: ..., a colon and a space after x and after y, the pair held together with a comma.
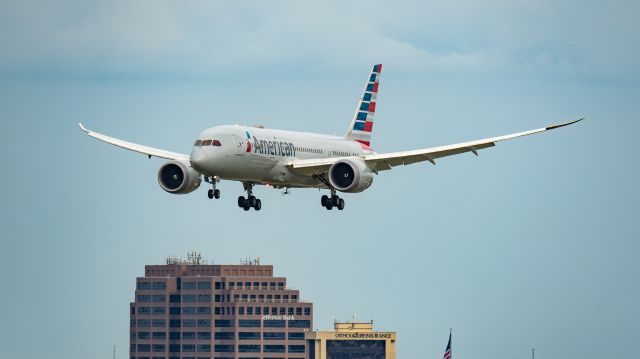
x: 238, y: 144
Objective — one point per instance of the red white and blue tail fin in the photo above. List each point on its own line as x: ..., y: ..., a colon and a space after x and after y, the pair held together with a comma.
x: 362, y: 123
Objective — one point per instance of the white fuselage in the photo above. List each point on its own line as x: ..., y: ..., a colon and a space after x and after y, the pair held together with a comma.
x: 258, y: 155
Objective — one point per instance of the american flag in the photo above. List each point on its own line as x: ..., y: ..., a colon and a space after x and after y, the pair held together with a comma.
x: 447, y: 352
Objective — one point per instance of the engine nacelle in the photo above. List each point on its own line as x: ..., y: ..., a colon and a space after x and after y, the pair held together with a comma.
x: 350, y: 175
x: 178, y: 178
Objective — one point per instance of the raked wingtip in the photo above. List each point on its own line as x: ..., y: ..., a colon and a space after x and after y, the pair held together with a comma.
x: 82, y: 127
x: 563, y: 124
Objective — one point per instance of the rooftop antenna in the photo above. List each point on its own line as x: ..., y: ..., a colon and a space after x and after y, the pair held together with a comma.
x: 114, y: 352
x: 354, y: 318
x: 533, y: 353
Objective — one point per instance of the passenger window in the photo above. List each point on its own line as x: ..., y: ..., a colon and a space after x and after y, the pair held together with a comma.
x: 206, y: 142
x: 198, y: 143
x: 216, y: 143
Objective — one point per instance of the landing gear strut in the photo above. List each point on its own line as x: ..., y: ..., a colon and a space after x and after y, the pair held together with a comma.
x: 251, y: 201
x: 212, y: 193
x: 333, y: 201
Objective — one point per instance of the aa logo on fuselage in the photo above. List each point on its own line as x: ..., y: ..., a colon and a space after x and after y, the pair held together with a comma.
x: 273, y: 148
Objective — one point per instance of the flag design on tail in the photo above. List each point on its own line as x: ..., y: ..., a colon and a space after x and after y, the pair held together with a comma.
x: 362, y: 122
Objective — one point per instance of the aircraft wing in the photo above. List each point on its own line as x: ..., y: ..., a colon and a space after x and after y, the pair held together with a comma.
x: 385, y: 161
x: 149, y: 151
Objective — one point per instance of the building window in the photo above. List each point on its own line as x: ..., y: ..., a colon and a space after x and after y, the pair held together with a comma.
x: 273, y: 336
x: 143, y: 285
x: 159, y: 310
x: 159, y: 323
x: 258, y: 310
x: 204, y: 323
x: 159, y: 285
x: 296, y: 348
x: 174, y: 348
x: 274, y: 348
x: 188, y: 298
x: 204, y: 348
x: 217, y: 311
x: 188, y: 348
x: 223, y: 323
x: 290, y: 311
x: 144, y: 323
x: 299, y: 324
x: 188, y: 311
x: 224, y: 348
x: 249, y: 348
x: 174, y: 336
x: 188, y: 323
x: 307, y: 311
x: 204, y: 298
x: 143, y: 310
x: 174, y: 323
x: 144, y: 298
x: 224, y: 336
x: 157, y: 348
x: 174, y: 298
x: 282, y: 310
x: 144, y: 335
x: 249, y: 323
x: 188, y: 335
x: 159, y: 298
x: 249, y: 310
x: 188, y: 285
x: 274, y: 323
x: 159, y: 335
x: 218, y: 285
x: 174, y: 310
x: 204, y: 335
x: 274, y: 311
x: 298, y: 311
x: 241, y: 311
x: 144, y: 348
x: 204, y: 310
x: 204, y: 285
x: 249, y: 335
x: 296, y: 336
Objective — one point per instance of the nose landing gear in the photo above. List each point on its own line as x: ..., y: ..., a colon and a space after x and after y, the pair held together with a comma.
x: 251, y: 201
x: 333, y: 201
x: 212, y: 193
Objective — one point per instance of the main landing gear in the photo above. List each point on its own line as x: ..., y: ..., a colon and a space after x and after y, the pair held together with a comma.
x: 212, y: 193
x: 333, y: 201
x: 251, y: 201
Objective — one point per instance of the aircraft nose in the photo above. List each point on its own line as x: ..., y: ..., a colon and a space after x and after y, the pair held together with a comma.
x: 198, y: 159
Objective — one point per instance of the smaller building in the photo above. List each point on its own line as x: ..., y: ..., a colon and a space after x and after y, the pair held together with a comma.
x: 351, y: 340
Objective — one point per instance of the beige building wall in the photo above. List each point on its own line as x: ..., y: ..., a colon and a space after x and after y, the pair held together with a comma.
x: 317, y: 340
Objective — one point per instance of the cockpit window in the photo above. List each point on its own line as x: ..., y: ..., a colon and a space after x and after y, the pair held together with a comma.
x: 198, y: 143
x: 206, y: 142
x: 216, y: 143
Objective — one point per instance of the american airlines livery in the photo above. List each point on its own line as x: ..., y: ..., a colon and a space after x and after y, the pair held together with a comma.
x: 255, y: 155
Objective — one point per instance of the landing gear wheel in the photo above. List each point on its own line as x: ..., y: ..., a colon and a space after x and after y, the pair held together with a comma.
x: 216, y: 194
x: 241, y: 201
x: 246, y: 206
x: 335, y: 200
x: 341, y: 204
x: 329, y: 205
x: 252, y: 201
x: 210, y: 194
x: 324, y: 199
x: 257, y: 205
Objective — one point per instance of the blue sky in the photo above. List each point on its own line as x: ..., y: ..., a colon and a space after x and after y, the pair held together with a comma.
x: 532, y: 244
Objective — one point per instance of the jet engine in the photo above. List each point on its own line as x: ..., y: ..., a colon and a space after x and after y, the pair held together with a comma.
x: 350, y: 175
x: 178, y: 177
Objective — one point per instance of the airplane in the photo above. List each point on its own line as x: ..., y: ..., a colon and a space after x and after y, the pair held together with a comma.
x: 254, y: 155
